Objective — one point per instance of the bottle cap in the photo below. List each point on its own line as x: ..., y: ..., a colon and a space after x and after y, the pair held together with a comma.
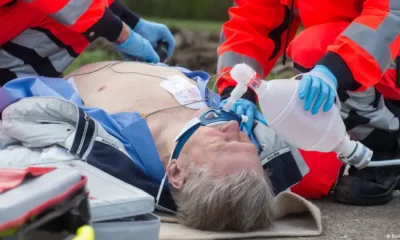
x: 242, y: 73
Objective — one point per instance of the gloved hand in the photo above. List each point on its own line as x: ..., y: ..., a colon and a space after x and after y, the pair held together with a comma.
x: 248, y: 109
x: 155, y: 32
x: 312, y: 87
x: 137, y: 46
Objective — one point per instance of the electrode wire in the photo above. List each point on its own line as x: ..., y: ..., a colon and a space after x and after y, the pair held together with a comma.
x: 111, y: 65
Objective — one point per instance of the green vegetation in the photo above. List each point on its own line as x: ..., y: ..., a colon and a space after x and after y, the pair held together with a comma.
x: 197, y: 15
x: 201, y: 25
x: 87, y: 57
x: 98, y: 55
x: 199, y: 10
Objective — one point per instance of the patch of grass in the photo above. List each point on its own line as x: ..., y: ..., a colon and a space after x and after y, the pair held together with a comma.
x: 87, y: 57
x: 189, y: 24
x: 100, y: 55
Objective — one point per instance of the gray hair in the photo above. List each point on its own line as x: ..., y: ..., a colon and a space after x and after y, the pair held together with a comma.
x: 237, y: 202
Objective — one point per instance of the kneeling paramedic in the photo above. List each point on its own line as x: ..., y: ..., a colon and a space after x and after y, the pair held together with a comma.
x: 43, y: 37
x: 356, y: 45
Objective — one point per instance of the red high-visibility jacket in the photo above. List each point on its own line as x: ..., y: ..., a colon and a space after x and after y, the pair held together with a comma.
x: 257, y: 34
x: 43, y: 37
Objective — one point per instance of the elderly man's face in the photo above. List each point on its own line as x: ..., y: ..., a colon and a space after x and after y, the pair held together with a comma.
x: 218, y: 182
x: 224, y: 149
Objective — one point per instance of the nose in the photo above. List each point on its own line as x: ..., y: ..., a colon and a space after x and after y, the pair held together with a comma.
x: 231, y: 129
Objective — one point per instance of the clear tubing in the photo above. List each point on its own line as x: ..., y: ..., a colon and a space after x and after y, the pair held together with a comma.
x: 384, y: 163
x: 362, y: 157
x: 243, y: 75
x: 228, y: 105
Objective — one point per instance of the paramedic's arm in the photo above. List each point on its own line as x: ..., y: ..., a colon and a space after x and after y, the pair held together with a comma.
x: 124, y: 13
x: 365, y: 50
x: 92, y: 18
x: 256, y: 35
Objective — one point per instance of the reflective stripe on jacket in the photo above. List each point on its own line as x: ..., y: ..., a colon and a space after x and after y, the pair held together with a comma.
x: 257, y: 33
x: 43, y: 37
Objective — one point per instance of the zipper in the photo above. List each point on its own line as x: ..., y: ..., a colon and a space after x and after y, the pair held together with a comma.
x: 84, y: 134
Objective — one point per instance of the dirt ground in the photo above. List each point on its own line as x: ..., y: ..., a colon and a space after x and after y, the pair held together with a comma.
x: 197, y: 50
x: 341, y: 221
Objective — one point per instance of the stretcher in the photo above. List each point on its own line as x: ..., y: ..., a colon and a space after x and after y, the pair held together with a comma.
x: 119, y: 211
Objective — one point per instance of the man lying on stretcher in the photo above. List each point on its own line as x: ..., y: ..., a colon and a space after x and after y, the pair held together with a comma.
x: 121, y: 119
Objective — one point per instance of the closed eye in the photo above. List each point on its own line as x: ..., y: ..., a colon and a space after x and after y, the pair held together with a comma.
x: 49, y: 122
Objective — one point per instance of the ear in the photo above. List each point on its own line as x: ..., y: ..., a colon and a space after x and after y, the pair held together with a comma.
x: 175, y: 174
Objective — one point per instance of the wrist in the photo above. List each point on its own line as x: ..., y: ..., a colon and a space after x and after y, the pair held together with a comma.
x: 124, y: 35
x: 109, y: 26
x: 124, y: 13
x: 138, y: 25
x: 249, y: 95
x: 324, y: 70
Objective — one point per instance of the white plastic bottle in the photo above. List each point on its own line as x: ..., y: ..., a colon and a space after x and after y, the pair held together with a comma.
x: 284, y: 113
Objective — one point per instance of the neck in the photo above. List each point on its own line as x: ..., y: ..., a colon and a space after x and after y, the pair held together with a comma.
x: 166, y: 125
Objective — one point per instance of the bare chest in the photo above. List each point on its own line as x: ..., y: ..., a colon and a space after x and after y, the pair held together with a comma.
x: 127, y: 90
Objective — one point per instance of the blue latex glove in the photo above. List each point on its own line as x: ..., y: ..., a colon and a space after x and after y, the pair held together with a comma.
x: 137, y: 46
x: 155, y: 32
x: 248, y: 109
x: 313, y: 88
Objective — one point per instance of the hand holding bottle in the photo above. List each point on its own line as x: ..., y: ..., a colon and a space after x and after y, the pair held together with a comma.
x: 315, y: 90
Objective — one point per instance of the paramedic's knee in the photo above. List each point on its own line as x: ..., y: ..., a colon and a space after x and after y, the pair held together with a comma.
x: 311, y: 44
x: 324, y: 171
x: 372, y: 120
